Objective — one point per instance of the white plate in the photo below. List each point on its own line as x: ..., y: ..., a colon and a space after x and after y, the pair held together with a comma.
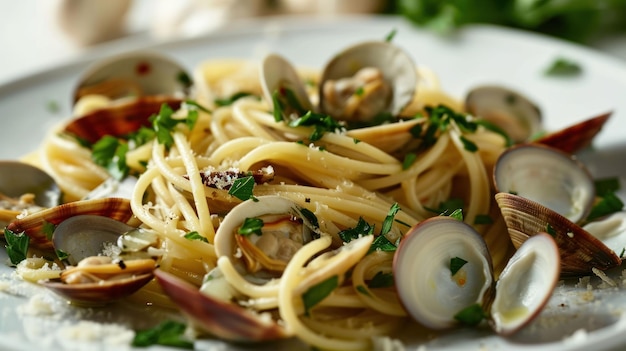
x: 576, y: 319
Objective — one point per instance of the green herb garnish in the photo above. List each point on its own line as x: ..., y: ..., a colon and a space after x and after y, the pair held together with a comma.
x: 184, y: 79
x: 468, y: 144
x: 53, y: 106
x: 456, y: 263
x: 110, y: 153
x: 409, y: 158
x: 17, y: 245
x: 457, y: 214
x: 230, y: 100
x: 319, y: 292
x: 242, y: 188
x: 362, y: 290
x: 321, y: 124
x: 251, y: 225
x: 389, y: 37
x: 168, y: 333
x: 471, y: 315
x: 381, y: 280
x: 62, y: 255
x: 483, y: 219
x: 606, y: 186
x: 361, y: 228
x: 48, y: 229
x: 164, y: 123
x: 563, y: 67
x: 195, y: 236
x: 550, y: 230
x: 607, y: 205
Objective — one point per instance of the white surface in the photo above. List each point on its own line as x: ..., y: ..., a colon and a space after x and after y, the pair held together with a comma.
x: 576, y: 319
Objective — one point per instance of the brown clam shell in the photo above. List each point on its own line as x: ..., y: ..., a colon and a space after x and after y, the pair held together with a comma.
x: 119, y: 119
x: 576, y: 137
x: 33, y: 224
x: 99, y: 293
x: 580, y: 251
x: 222, y: 319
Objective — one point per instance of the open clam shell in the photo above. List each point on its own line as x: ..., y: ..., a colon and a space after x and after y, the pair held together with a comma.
x: 547, y: 176
x: 387, y: 94
x: 107, y: 283
x: 120, y: 118
x: 576, y: 137
x: 279, y: 76
x: 579, y: 250
x: 611, y: 230
x: 33, y: 224
x: 443, y: 267
x: 519, y: 117
x: 133, y: 75
x: 525, y: 285
x: 429, y: 291
x: 222, y: 319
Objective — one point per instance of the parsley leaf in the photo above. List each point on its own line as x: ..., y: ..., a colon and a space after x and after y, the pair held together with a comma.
x: 409, y: 158
x: 381, y: 280
x: 163, y: 123
x: 457, y: 214
x: 168, y: 333
x: 563, y: 67
x: 471, y: 315
x: 17, y: 245
x: 468, y: 144
x: 483, y: 219
x: 230, y: 100
x: 110, y: 153
x: 242, y: 188
x: 195, y: 236
x: 389, y: 37
x: 319, y: 292
x: 361, y: 228
x: 251, y: 225
x: 606, y: 186
x: 381, y: 243
x: 607, y: 205
x: 386, y: 226
x: 456, y: 263
x: 62, y: 255
x: 320, y: 122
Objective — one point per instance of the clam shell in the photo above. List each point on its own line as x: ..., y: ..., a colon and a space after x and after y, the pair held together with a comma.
x: 579, y: 250
x: 429, y: 291
x: 277, y: 74
x: 18, y: 178
x: 576, y: 137
x: 133, y: 74
x: 525, y: 285
x: 519, y: 117
x: 611, y: 230
x: 548, y: 176
x: 119, y: 119
x: 33, y: 224
x: 222, y: 319
x: 397, y: 67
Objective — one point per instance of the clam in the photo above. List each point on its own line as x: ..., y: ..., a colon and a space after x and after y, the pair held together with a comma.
x: 279, y: 232
x: 575, y: 137
x: 580, y: 251
x: 367, y: 80
x: 119, y: 118
x: 25, y: 188
x: 442, y: 270
x: 519, y: 117
x: 222, y: 319
x: 93, y: 278
x: 36, y: 225
x: 547, y: 176
x: 98, y: 280
x: 281, y: 81
x: 134, y: 75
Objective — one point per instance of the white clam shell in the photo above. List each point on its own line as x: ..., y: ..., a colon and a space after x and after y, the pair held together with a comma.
x: 547, y: 176
x: 278, y: 73
x: 428, y: 291
x: 526, y: 284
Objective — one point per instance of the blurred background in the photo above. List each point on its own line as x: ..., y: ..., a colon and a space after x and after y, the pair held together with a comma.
x: 39, y: 34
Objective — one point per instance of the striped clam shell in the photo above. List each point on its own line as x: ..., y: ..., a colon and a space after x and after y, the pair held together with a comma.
x: 580, y: 251
x: 33, y: 224
x: 576, y: 137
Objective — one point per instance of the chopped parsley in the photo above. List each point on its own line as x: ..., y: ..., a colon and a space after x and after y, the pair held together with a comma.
x: 608, y: 204
x: 183, y: 78
x: 471, y: 315
x: 359, y: 91
x: 456, y: 263
x: 62, y: 255
x: 468, y: 144
x: 550, y: 230
x: 494, y: 128
x: 447, y: 206
x: 386, y: 227
x: 321, y: 124
x: 168, y: 333
x: 457, y: 214
x: 189, y: 104
x: 17, y: 245
x: 389, y: 37
x: 409, y: 159
x: 363, y: 228
x: 48, y: 229
x: 110, y: 153
x: 195, y: 236
x: 242, y: 188
x: 563, y: 67
x: 251, y: 225
x: 230, y: 100
x: 621, y: 254
x: 381, y: 280
x: 163, y: 123
x: 53, y: 106
x: 606, y: 186
x: 319, y: 292
x: 362, y: 290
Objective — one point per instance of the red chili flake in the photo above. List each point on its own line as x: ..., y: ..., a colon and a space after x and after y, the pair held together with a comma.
x: 143, y: 68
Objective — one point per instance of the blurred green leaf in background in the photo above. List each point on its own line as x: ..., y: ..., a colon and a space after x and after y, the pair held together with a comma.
x: 574, y: 20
